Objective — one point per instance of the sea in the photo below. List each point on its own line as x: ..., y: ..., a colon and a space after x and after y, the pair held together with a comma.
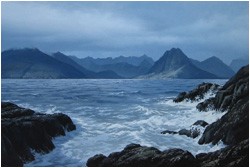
x: 110, y: 114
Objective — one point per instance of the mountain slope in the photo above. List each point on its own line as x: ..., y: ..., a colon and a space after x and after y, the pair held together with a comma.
x: 215, y: 66
x: 65, y: 59
x: 236, y: 64
x: 89, y: 74
x: 175, y: 64
x: 32, y: 63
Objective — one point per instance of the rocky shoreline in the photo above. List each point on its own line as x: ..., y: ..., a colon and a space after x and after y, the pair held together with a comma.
x: 232, y: 129
x: 25, y: 131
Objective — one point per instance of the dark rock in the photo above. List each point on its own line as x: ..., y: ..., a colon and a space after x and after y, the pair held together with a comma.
x: 144, y: 157
x: 233, y: 127
x: 206, y: 105
x: 96, y: 160
x: 237, y: 155
x: 201, y: 123
x: 192, y: 133
x: 9, y: 155
x: 196, y: 94
x: 23, y: 129
x: 169, y: 132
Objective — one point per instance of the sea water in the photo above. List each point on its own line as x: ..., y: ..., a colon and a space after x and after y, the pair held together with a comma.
x: 110, y: 114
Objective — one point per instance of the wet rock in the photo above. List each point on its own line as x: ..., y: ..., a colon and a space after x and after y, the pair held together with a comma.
x: 169, y: 132
x: 144, y: 157
x: 231, y: 156
x: 192, y: 133
x: 196, y: 94
x: 206, y: 105
x: 23, y: 129
x: 201, y: 123
x: 9, y: 155
x: 135, y: 155
x: 233, y: 127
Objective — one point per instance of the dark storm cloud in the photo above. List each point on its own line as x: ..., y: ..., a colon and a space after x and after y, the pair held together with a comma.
x: 103, y: 29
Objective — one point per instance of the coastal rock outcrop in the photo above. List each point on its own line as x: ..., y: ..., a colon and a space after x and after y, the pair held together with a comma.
x: 23, y: 130
x: 135, y: 155
x: 193, y: 132
x: 233, y: 127
x: 197, y: 93
x: 230, y: 156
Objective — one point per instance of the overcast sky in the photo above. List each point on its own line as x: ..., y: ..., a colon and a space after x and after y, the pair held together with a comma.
x: 110, y: 29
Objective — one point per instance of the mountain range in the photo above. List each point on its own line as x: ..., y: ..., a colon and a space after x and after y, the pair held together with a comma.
x: 127, y: 67
x: 33, y: 63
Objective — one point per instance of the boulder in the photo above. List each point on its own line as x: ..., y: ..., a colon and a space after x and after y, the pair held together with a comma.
x: 197, y: 93
x: 135, y: 155
x: 193, y: 132
x: 23, y: 130
x: 201, y: 123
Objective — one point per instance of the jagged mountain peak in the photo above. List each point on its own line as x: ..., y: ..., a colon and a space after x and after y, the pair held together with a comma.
x: 175, y: 64
x: 171, y: 60
x: 213, y: 59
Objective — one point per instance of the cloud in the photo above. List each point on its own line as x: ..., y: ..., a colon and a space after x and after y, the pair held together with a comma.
x: 128, y: 28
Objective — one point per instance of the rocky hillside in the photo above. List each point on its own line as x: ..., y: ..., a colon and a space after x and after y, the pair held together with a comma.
x: 24, y: 130
x: 175, y: 64
x: 232, y: 129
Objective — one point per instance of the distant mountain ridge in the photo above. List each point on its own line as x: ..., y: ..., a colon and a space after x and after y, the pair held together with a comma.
x: 89, y: 74
x: 175, y: 64
x: 33, y: 63
x: 215, y: 66
x: 127, y: 67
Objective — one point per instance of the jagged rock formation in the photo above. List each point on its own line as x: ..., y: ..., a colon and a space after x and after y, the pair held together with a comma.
x: 193, y: 132
x: 23, y: 130
x: 233, y: 156
x: 135, y: 155
x: 197, y: 93
x: 233, y: 127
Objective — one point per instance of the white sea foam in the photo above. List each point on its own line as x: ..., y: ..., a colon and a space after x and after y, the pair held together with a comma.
x: 142, y: 109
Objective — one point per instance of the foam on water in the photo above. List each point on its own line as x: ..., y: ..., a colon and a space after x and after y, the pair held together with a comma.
x: 112, y: 114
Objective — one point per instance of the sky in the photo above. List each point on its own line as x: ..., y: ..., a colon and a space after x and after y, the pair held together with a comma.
x: 111, y: 29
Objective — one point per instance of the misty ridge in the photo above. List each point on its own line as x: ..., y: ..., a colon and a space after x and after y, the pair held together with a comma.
x: 31, y: 63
